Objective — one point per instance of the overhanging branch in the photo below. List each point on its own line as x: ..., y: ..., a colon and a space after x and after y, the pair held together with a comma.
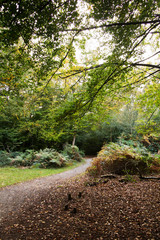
x: 113, y: 25
x: 146, y: 65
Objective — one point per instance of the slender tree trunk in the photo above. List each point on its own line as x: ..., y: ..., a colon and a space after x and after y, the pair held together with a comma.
x: 74, y: 139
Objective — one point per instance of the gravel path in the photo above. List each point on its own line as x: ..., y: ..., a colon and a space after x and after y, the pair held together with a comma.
x: 13, y: 197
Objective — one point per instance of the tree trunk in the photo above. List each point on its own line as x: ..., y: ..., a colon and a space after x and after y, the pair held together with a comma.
x: 74, y: 140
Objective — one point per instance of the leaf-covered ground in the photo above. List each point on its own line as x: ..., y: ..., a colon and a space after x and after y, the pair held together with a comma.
x: 111, y: 210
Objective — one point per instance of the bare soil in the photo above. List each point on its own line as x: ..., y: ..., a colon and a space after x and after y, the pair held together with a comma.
x: 108, y: 210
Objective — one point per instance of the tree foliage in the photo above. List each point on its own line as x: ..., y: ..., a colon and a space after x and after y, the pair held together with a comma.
x: 48, y: 96
x: 45, y: 19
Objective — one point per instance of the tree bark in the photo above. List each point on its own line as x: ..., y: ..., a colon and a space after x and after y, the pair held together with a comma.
x: 74, y: 140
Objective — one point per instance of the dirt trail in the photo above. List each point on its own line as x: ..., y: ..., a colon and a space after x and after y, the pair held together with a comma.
x: 13, y: 197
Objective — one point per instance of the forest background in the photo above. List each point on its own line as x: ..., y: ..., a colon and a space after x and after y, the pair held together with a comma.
x: 79, y: 72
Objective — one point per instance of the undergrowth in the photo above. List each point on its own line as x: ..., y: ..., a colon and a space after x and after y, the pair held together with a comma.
x: 120, y: 158
x: 46, y: 158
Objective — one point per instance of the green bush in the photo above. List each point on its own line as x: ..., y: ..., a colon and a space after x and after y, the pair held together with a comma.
x: 43, y: 159
x: 50, y: 158
x: 72, y: 152
x: 24, y: 159
x: 119, y: 158
x: 47, y: 158
x: 18, y: 161
x: 4, y: 158
x: 7, y: 157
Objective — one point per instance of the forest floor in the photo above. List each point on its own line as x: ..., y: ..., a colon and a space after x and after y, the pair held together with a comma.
x: 41, y: 209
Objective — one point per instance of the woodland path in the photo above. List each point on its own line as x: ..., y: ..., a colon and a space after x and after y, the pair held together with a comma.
x: 41, y: 209
x: 14, y: 196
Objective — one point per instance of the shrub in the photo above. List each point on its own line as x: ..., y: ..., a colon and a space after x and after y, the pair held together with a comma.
x: 43, y: 159
x: 72, y: 152
x: 4, y: 158
x: 50, y: 158
x: 18, y: 161
x: 7, y: 157
x: 23, y: 159
x: 120, y: 158
x: 46, y: 158
x: 155, y: 165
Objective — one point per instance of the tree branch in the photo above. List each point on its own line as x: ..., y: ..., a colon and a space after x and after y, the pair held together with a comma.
x: 148, y: 120
x: 113, y: 74
x: 144, y: 35
x: 146, y: 65
x: 75, y: 72
x: 149, y: 57
x: 113, y: 25
x: 141, y: 79
x: 60, y: 64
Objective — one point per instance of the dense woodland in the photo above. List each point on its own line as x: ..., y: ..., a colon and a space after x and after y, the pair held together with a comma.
x: 80, y: 77
x: 79, y: 72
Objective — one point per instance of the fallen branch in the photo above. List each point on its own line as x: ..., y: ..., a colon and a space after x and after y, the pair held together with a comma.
x: 148, y: 178
x: 109, y: 176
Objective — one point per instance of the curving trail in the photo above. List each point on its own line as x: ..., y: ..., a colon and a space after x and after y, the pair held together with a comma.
x: 14, y: 196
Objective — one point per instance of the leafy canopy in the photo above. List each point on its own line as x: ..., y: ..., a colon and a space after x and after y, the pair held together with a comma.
x: 46, y: 92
